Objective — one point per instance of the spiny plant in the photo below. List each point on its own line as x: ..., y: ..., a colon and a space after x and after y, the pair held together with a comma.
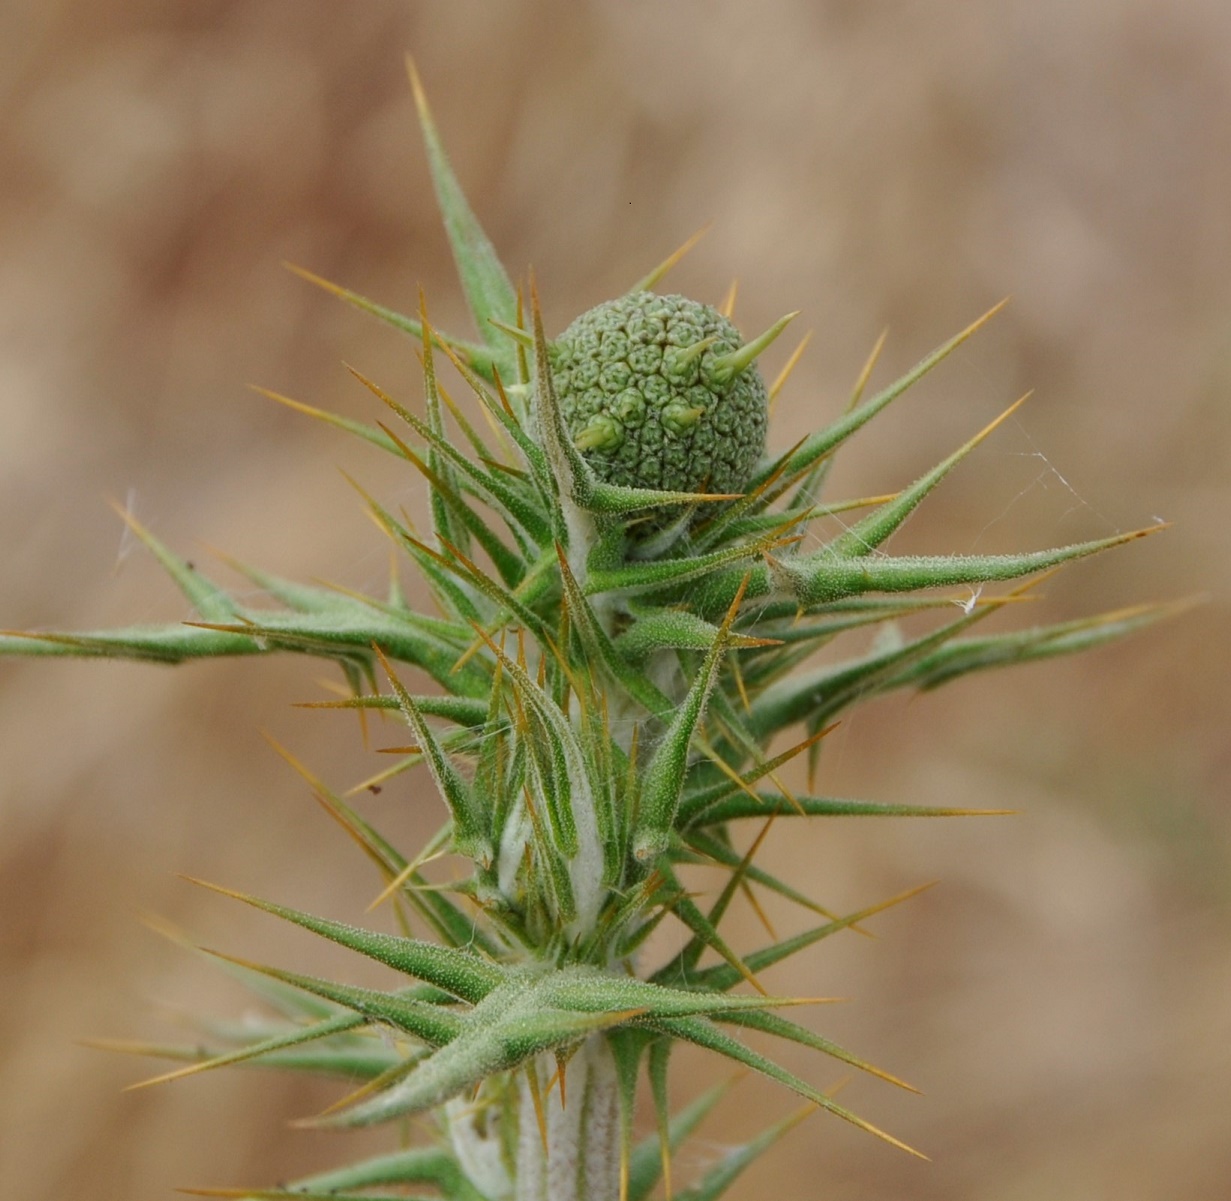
x: 629, y: 589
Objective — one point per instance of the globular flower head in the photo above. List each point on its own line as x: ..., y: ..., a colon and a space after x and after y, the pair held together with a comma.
x: 654, y: 395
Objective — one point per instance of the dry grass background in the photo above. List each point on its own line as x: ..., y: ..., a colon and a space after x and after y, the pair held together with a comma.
x: 1064, y: 997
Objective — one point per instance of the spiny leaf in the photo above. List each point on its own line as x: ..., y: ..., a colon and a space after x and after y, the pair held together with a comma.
x: 866, y: 535
x: 349, y: 1062
x: 488, y: 290
x: 463, y: 975
x: 740, y: 805
x: 402, y: 1010
x: 478, y: 357
x: 771, y: 1023
x: 510, y: 502
x: 663, y: 783
x: 361, y: 430
x: 501, y: 1035
x: 698, y: 801
x: 416, y: 1165
x: 660, y: 1053
x: 704, y: 1034
x: 599, y: 647
x: 691, y: 954
x: 674, y: 629
x: 472, y: 833
x: 207, y: 598
x: 965, y: 655
x: 292, y: 1038
x: 723, y: 976
x: 588, y: 990
x: 446, y: 919
x: 821, y: 443
x: 464, y: 710
x: 633, y: 577
x: 150, y: 644
x: 821, y: 577
x: 743, y: 868
x: 701, y: 927
x: 281, y: 1194
x: 507, y: 563
x: 817, y: 696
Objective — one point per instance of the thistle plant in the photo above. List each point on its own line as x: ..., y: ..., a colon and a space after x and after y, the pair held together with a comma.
x: 628, y: 588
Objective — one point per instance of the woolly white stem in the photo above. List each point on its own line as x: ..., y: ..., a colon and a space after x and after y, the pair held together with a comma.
x: 581, y: 1161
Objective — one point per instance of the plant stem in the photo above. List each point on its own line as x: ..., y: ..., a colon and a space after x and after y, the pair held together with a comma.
x: 580, y: 1158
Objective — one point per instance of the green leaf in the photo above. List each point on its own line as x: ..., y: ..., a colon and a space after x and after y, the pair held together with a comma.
x: 281, y: 1194
x: 663, y: 781
x: 484, y: 281
x: 478, y: 358
x: 659, y: 1059
x: 599, y: 648
x: 292, y: 1037
x: 210, y: 601
x: 417, y: 1165
x: 821, y: 577
x: 817, y: 696
x: 511, y: 567
x: 704, y: 1034
x: 588, y: 990
x: 722, y: 976
x: 149, y: 644
x: 720, y: 852
x: 503, y: 1031
x: 672, y: 629
x: 737, y: 805
x: 349, y: 1061
x: 461, y: 974
x: 866, y: 535
x: 353, y: 637
x: 771, y: 1023
x: 403, y: 1010
x: 513, y: 503
x: 823, y: 442
x: 471, y: 818
x: 965, y: 655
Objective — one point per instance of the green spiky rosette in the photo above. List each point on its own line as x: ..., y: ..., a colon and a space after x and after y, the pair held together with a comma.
x: 626, y: 608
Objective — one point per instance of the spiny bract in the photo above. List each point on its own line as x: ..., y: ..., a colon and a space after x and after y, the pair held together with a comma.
x: 604, y: 699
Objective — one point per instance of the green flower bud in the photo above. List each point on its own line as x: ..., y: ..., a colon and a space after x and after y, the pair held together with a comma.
x: 642, y: 388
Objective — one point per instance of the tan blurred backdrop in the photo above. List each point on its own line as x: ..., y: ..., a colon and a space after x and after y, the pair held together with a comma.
x: 1064, y: 996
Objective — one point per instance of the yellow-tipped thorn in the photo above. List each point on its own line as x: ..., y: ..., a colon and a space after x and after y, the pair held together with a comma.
x: 791, y: 363
x: 727, y: 308
x: 866, y: 373
x: 405, y: 874
x: 416, y: 87
x: 647, y: 282
x: 536, y: 1095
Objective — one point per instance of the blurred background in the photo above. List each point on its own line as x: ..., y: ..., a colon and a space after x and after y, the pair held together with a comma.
x: 1063, y: 996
